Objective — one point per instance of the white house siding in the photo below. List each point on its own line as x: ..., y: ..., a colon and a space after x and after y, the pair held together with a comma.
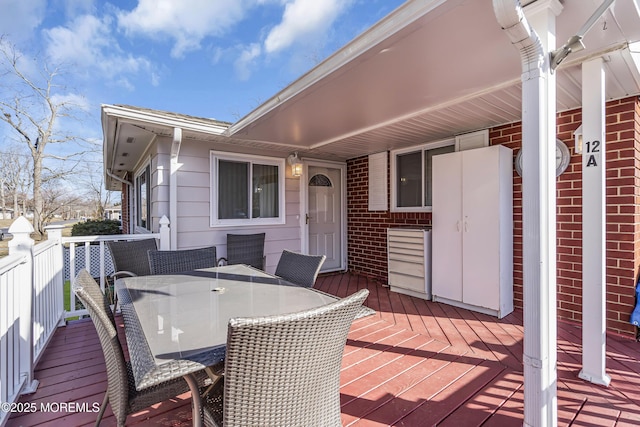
x: 159, y: 181
x: 193, y: 194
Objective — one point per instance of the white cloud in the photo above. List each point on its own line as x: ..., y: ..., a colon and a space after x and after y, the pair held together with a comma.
x: 303, y: 20
x: 246, y: 61
x: 73, y: 100
x: 74, y: 8
x: 186, y: 22
x: 19, y: 18
x: 87, y: 42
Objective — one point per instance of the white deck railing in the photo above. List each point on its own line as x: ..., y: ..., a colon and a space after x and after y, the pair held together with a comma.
x: 13, y: 271
x: 33, y: 280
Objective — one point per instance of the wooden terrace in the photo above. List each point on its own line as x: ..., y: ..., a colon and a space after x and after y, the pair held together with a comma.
x: 413, y: 363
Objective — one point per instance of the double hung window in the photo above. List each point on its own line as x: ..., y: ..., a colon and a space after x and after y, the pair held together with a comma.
x: 411, y: 171
x: 143, y: 202
x: 246, y: 189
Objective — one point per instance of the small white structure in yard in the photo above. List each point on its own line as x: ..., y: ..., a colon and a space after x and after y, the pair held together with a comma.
x: 6, y: 213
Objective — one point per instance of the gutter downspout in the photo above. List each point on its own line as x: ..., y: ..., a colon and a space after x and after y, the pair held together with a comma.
x: 173, y: 185
x: 128, y: 184
x: 538, y: 210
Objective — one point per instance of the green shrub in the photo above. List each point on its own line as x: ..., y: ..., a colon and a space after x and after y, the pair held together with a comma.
x: 99, y: 227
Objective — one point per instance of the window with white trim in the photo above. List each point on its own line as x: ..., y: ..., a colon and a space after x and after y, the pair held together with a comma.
x: 411, y: 170
x: 143, y: 201
x: 246, y: 189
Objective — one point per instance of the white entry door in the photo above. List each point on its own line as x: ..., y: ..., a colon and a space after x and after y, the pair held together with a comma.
x: 324, y: 215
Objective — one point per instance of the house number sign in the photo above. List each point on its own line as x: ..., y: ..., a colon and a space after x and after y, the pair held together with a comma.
x: 592, y: 154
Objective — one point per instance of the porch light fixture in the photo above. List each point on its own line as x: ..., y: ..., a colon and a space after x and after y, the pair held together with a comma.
x: 577, y: 137
x: 296, y: 164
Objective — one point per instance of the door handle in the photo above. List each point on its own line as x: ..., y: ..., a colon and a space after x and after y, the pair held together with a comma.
x: 307, y: 218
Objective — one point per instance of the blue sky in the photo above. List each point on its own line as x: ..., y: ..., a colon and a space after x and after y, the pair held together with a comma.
x: 207, y: 58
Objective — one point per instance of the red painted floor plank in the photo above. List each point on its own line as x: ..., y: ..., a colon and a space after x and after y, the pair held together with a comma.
x: 486, y: 402
x: 386, y: 383
x: 434, y: 399
x: 413, y: 363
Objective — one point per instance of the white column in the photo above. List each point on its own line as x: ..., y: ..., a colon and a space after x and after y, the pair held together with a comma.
x: 173, y: 185
x: 539, y: 227
x: 539, y: 257
x: 593, y: 224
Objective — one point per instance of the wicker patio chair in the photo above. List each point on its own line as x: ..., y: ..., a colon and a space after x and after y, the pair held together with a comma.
x: 298, y: 268
x: 284, y: 370
x: 171, y: 262
x: 245, y: 249
x: 129, y: 259
x: 121, y: 391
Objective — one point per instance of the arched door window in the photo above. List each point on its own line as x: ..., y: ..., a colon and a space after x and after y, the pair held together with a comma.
x: 320, y: 180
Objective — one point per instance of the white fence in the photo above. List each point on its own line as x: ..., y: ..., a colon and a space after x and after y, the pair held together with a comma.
x: 33, y: 282
x: 13, y: 344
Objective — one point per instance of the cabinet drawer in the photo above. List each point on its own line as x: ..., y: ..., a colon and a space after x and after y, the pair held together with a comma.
x: 407, y: 282
x: 407, y: 268
x: 408, y: 261
x: 401, y: 253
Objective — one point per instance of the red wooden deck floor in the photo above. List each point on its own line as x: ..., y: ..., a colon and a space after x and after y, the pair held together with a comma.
x: 413, y: 363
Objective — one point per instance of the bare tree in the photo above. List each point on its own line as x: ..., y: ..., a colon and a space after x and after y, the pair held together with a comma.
x: 33, y: 105
x: 57, y: 199
x: 98, y: 196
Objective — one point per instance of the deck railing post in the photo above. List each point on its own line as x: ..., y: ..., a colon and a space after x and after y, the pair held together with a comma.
x: 165, y: 234
x: 22, y: 244
x: 54, y: 232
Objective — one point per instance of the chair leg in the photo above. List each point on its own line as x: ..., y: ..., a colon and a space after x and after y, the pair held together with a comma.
x: 103, y: 407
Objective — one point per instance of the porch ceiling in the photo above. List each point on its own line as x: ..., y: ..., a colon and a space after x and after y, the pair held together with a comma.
x: 431, y: 70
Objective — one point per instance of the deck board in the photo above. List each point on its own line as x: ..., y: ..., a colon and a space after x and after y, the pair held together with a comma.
x: 412, y: 363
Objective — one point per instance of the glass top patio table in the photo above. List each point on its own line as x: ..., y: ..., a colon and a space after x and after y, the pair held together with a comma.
x: 177, y: 324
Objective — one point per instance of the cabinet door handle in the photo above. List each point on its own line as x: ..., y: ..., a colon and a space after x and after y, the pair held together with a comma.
x: 458, y: 225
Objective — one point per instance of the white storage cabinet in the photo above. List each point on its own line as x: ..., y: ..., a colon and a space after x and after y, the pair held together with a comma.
x: 473, y: 229
x: 409, y: 261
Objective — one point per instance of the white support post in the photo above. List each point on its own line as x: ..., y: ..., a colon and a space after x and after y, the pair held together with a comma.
x: 538, y: 202
x: 173, y: 184
x: 539, y: 254
x: 22, y: 244
x: 593, y: 224
x: 539, y: 225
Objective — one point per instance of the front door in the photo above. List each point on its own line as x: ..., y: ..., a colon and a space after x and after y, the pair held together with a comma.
x: 324, y: 215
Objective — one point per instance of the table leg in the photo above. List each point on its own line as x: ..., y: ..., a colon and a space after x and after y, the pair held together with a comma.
x: 196, y: 402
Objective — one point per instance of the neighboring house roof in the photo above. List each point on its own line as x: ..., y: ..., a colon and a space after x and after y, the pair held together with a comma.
x: 129, y: 130
x: 429, y: 70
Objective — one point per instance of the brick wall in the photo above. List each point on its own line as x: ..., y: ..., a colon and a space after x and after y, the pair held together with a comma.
x: 367, y: 230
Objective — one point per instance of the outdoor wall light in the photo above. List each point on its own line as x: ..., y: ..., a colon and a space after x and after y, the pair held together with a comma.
x: 296, y: 164
x: 577, y: 136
